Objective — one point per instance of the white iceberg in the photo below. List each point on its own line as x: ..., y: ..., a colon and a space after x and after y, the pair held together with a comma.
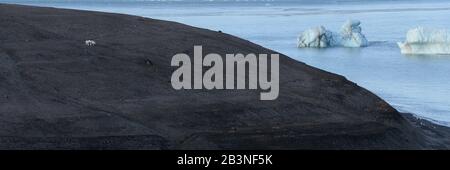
x: 350, y: 35
x: 426, y: 41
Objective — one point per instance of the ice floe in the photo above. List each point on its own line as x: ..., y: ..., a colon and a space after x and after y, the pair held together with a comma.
x: 350, y: 35
x: 426, y: 41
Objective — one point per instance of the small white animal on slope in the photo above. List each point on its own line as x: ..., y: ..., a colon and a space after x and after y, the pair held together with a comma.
x: 90, y: 42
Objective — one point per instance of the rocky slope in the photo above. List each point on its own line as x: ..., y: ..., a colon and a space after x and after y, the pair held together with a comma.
x: 57, y: 93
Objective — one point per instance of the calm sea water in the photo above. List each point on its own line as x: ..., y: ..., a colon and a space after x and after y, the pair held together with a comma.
x: 419, y: 84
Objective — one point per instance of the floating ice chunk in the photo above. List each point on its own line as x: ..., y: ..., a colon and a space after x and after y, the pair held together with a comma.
x: 350, y: 35
x: 314, y: 37
x: 426, y: 41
